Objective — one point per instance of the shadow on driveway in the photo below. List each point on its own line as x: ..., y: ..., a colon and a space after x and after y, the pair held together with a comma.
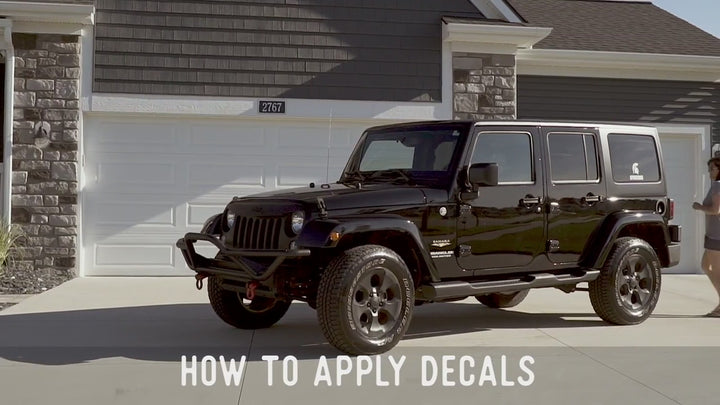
x: 163, y: 333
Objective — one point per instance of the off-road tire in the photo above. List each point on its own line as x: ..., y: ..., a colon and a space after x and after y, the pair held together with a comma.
x: 261, y: 312
x: 628, y: 287
x: 353, y: 315
x: 502, y: 300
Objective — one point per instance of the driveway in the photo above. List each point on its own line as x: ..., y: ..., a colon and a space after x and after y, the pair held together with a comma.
x: 122, y: 341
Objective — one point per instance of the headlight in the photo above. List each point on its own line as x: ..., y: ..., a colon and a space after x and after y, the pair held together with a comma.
x: 297, y: 221
x: 230, y: 220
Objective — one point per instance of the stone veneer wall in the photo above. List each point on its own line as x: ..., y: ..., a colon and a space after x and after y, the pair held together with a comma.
x: 45, y: 153
x: 483, y: 87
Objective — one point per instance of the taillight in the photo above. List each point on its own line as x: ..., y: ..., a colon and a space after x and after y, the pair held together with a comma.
x: 671, y: 210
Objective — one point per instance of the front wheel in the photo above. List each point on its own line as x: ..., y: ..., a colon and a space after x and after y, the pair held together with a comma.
x: 236, y: 310
x: 365, y: 300
x: 628, y: 287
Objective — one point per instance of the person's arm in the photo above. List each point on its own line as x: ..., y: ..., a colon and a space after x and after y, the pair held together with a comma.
x: 713, y: 209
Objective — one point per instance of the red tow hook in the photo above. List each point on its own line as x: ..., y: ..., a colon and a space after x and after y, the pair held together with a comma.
x: 198, y: 280
x: 250, y: 289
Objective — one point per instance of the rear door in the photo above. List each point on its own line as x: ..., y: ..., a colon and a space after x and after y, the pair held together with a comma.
x: 576, y: 195
x: 504, y: 227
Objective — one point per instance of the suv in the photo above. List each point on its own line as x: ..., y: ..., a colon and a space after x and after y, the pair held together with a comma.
x: 440, y: 211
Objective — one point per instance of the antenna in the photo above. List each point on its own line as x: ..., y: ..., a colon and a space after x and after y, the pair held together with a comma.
x: 327, y: 166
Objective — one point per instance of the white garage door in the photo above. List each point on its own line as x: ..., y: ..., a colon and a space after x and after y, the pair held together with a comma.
x: 149, y: 181
x: 684, y: 185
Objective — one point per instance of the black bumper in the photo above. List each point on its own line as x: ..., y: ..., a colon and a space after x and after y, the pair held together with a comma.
x: 240, y: 265
x: 673, y: 254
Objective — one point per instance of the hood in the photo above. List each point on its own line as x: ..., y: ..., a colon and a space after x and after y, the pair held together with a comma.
x: 341, y: 196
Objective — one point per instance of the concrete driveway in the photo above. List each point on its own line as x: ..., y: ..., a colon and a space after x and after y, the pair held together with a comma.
x: 122, y: 341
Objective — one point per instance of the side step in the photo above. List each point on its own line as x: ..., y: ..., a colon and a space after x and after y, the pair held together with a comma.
x: 459, y: 289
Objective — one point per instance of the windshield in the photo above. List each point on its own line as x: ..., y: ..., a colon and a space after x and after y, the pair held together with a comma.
x: 422, y: 154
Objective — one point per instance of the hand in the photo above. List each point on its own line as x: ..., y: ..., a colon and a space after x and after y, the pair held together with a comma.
x: 697, y: 206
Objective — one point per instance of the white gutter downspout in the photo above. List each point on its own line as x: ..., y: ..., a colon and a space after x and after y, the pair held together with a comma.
x: 8, y: 121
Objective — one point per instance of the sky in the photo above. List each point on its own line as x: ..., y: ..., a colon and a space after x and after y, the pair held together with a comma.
x: 704, y: 14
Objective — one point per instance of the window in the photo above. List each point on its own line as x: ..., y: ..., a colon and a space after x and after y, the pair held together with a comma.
x: 634, y: 158
x: 512, y: 153
x: 383, y: 154
x: 573, y: 157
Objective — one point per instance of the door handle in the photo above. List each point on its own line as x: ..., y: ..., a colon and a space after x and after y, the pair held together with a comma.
x: 530, y: 200
x: 592, y: 198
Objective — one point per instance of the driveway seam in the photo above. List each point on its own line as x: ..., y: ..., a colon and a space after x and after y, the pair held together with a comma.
x: 247, y: 366
x: 609, y: 367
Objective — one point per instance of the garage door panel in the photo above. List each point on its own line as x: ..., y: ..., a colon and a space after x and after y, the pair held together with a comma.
x: 238, y: 174
x: 207, y: 137
x: 117, y: 134
x: 133, y: 213
x: 292, y: 175
x: 138, y: 173
x: 197, y: 214
x: 145, y: 254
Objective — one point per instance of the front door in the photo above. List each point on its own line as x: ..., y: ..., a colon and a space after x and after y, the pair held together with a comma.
x: 504, y: 226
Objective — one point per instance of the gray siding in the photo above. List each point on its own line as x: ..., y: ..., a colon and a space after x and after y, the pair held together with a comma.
x: 86, y: 2
x: 617, y: 100
x: 591, y: 99
x: 318, y: 49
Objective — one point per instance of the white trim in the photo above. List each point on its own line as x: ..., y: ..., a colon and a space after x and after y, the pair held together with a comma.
x: 87, y: 59
x: 9, y: 106
x: 85, y: 90
x: 492, y: 38
x: 625, y: 65
x: 47, y: 12
x: 496, y: 9
x: 447, y: 82
x: 247, y: 107
x: 38, y: 27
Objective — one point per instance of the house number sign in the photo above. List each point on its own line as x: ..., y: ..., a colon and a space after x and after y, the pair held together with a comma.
x: 271, y: 107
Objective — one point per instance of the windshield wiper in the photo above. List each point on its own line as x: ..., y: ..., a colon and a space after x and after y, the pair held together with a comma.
x: 401, y: 175
x: 353, y: 176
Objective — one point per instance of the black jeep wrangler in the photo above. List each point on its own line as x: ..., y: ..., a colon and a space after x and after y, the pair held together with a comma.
x: 439, y: 211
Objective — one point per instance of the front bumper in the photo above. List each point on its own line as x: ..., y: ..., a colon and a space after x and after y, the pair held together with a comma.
x: 239, y: 266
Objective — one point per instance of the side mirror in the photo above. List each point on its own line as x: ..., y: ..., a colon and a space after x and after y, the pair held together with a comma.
x: 483, y: 174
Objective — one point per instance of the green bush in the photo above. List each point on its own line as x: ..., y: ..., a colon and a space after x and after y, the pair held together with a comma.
x: 9, y: 238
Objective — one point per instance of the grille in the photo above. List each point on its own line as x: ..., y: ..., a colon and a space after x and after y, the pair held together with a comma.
x: 258, y: 233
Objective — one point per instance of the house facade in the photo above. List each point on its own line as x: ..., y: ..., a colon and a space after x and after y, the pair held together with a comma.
x: 132, y: 121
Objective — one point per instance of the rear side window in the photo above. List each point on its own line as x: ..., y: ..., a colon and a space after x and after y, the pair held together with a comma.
x: 511, y: 151
x: 573, y: 157
x: 634, y: 158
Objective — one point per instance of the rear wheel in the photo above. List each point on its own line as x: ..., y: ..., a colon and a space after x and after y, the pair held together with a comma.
x: 628, y: 287
x: 236, y: 310
x: 503, y: 300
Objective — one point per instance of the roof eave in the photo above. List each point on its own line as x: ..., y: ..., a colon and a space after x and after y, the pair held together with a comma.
x: 48, y: 12
x: 558, y: 62
x: 479, y: 37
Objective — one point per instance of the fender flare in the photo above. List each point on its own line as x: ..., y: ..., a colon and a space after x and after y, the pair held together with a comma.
x: 316, y: 234
x: 212, y: 225
x: 603, y: 238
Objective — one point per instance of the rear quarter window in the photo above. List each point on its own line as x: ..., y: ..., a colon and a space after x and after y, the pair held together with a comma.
x: 634, y: 158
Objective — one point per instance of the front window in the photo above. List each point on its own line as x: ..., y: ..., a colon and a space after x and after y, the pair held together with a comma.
x: 422, y: 154
x: 512, y: 151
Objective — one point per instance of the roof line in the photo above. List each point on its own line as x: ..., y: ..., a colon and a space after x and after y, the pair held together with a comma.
x: 498, y: 9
